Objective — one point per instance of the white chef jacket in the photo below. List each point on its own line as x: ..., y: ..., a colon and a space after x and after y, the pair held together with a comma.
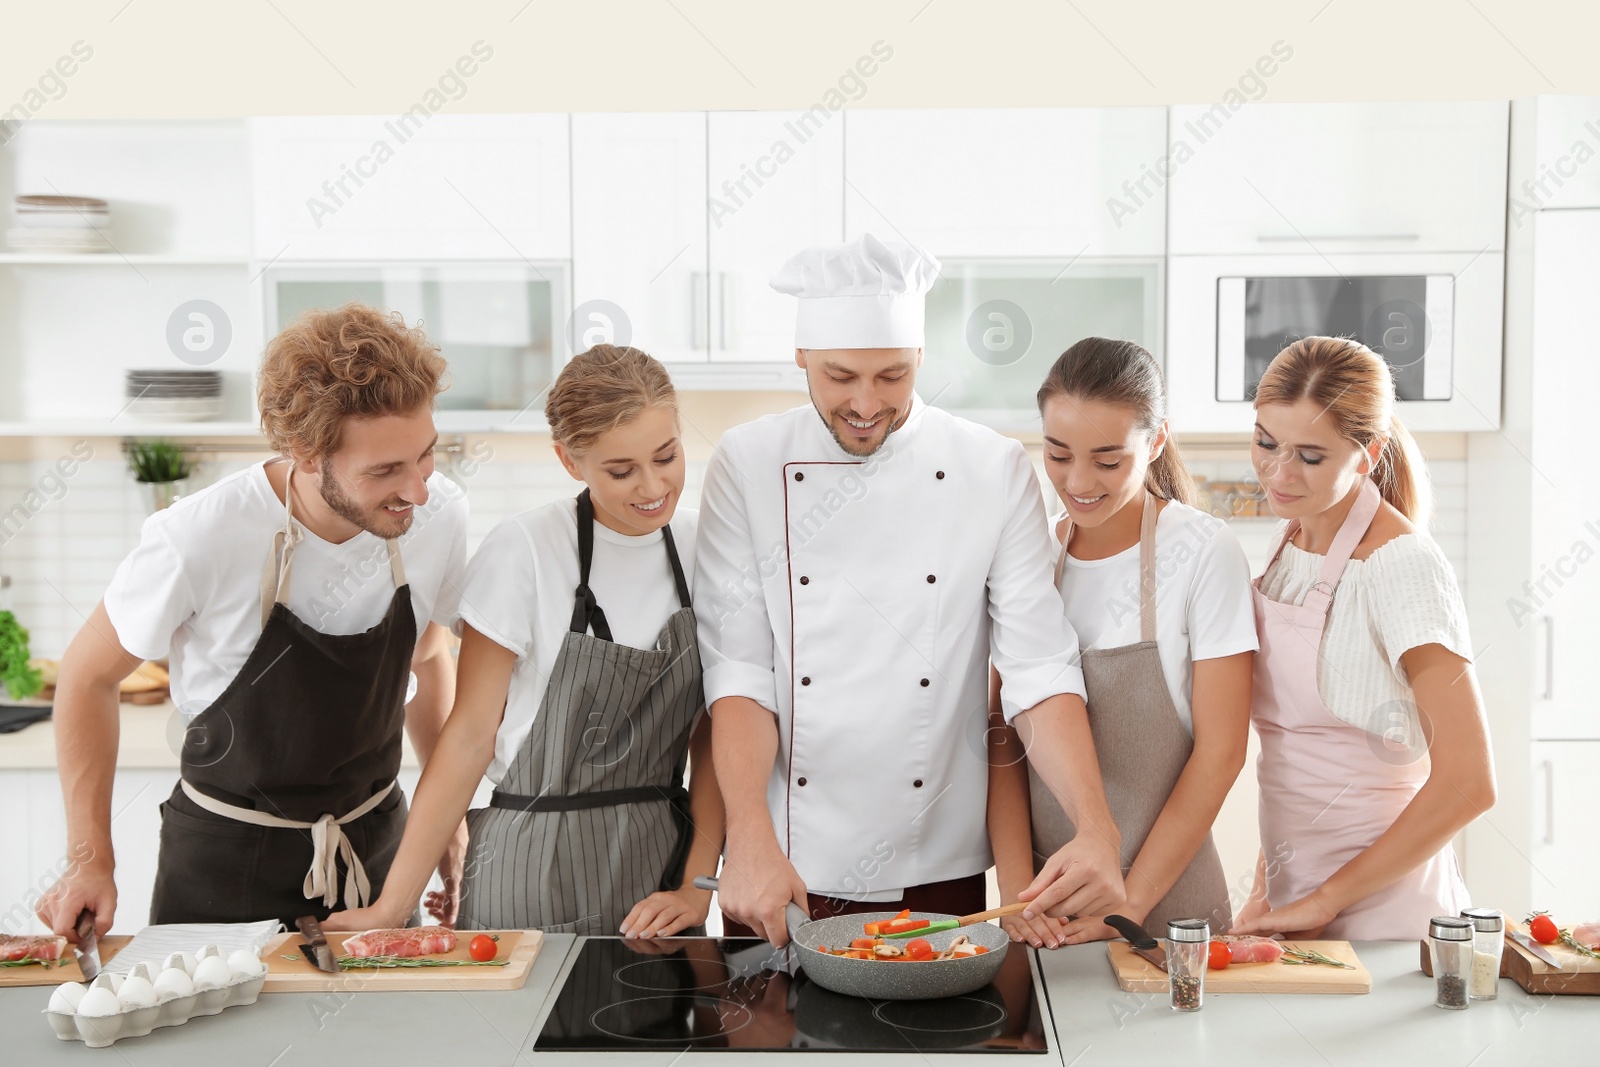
x: 861, y: 600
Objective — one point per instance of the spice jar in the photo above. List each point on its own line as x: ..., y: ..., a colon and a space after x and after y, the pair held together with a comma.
x: 1488, y: 942
x: 1188, y: 944
x: 1450, y: 945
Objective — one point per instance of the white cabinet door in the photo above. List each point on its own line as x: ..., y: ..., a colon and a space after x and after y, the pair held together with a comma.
x: 1564, y: 575
x: 1566, y: 836
x: 639, y: 232
x: 776, y: 186
x: 450, y: 187
x: 1555, y: 155
x: 1411, y: 177
x: 1015, y: 182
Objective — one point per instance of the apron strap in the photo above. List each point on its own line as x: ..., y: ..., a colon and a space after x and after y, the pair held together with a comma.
x: 677, y: 567
x: 586, y: 612
x: 328, y: 841
x: 1362, y: 511
x: 1147, y: 569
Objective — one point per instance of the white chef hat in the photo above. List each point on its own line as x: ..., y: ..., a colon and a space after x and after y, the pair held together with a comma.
x: 864, y: 294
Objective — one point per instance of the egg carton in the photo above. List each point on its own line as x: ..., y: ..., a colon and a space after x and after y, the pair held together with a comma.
x: 160, y: 1001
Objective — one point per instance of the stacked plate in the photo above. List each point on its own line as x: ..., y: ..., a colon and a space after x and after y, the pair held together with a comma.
x: 61, y: 224
x: 178, y: 395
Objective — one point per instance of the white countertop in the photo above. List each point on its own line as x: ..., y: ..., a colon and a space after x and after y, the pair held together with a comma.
x: 150, y: 739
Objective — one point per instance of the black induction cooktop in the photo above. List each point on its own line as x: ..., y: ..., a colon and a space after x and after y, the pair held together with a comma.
x: 738, y: 994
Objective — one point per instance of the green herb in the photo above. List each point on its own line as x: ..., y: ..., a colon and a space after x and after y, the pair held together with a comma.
x: 21, y: 680
x: 1571, y: 942
x: 1296, y: 956
x: 31, y: 961
x: 158, y: 461
x: 348, y: 963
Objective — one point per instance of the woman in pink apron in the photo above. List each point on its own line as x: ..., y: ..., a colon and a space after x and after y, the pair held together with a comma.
x: 1374, y: 747
x: 1159, y: 595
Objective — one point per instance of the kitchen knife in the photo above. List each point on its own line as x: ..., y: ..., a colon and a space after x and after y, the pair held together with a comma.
x: 1532, y: 946
x: 316, y: 949
x: 793, y: 917
x: 88, y: 948
x: 1143, y: 944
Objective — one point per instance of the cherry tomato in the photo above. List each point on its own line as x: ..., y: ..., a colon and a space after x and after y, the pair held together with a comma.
x: 1543, y: 929
x: 1219, y: 955
x: 483, y: 948
x: 919, y: 949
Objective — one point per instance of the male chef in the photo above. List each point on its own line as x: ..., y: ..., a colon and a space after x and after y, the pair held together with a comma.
x: 863, y: 559
x: 295, y: 599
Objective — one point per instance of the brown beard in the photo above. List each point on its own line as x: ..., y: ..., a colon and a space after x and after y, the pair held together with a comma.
x: 374, y: 521
x: 894, y: 424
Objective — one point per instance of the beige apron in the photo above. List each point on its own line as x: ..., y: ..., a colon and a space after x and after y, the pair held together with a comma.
x: 1142, y: 748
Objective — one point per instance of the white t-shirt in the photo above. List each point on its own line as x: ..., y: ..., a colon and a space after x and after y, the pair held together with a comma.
x: 1203, y: 604
x: 1401, y: 597
x: 519, y: 593
x: 191, y: 590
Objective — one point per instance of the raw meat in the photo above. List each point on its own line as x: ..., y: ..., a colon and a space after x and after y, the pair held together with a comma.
x: 1587, y: 935
x: 31, y: 948
x: 1247, y: 949
x: 417, y: 941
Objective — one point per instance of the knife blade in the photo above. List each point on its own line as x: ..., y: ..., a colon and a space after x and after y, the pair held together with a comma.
x: 316, y: 947
x: 1532, y: 946
x: 1141, y: 942
x: 87, y: 949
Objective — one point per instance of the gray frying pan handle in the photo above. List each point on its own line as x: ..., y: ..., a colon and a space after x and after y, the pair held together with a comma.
x: 793, y: 917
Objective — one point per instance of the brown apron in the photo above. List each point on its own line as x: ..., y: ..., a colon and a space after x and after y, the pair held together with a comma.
x: 291, y: 771
x: 1142, y: 748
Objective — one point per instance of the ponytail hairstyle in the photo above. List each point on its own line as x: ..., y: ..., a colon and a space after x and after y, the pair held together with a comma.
x: 1352, y: 384
x: 1123, y: 373
x: 602, y: 388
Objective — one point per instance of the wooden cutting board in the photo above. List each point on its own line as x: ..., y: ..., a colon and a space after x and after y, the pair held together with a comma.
x: 1578, y: 974
x: 288, y: 971
x: 67, y: 972
x: 1135, y: 974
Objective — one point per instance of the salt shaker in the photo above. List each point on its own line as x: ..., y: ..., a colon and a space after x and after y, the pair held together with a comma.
x: 1188, y: 944
x: 1450, y: 945
x: 1488, y: 942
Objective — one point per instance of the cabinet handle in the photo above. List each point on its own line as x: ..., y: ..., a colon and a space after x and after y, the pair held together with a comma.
x: 1274, y: 238
x: 1549, y: 801
x: 1549, y: 656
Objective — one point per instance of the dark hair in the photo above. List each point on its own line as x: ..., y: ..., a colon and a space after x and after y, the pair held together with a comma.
x: 1124, y: 373
x: 1352, y: 384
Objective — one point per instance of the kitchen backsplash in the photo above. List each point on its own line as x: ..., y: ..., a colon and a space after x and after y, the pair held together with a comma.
x: 62, y: 536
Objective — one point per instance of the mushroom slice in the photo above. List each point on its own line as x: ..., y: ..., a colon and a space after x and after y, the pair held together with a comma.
x: 950, y: 950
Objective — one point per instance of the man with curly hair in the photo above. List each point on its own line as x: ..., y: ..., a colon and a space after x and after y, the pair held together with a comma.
x: 300, y: 603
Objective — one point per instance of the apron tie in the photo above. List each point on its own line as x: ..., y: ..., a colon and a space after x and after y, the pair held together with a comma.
x: 328, y: 841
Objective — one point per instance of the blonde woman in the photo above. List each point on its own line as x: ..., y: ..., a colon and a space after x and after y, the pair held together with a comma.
x: 1374, y: 748
x: 580, y: 691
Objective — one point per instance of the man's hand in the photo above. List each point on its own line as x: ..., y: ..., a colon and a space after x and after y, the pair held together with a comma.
x: 1084, y: 877
x: 88, y: 885
x: 756, y: 885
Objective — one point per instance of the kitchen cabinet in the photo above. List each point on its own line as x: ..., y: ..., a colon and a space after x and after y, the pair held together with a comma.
x: 1555, y: 159
x: 1566, y: 842
x: 1350, y: 177
x: 444, y: 187
x: 1035, y: 182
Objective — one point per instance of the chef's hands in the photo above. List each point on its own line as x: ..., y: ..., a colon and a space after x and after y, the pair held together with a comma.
x: 664, y: 914
x: 756, y: 885
x: 89, y: 884
x: 444, y: 904
x: 1305, y: 919
x: 1083, y: 877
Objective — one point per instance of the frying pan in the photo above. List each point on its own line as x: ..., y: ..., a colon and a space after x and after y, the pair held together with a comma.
x: 889, y: 980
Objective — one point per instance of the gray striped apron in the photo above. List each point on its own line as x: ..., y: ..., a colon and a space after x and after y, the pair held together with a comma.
x: 592, y: 816
x: 1142, y: 748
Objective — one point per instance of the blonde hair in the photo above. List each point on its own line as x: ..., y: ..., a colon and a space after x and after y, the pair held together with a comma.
x: 601, y: 389
x: 1126, y: 374
x: 1352, y: 384
x: 350, y: 362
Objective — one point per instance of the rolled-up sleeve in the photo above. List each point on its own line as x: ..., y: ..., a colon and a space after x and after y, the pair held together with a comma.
x: 1031, y: 643
x: 730, y: 606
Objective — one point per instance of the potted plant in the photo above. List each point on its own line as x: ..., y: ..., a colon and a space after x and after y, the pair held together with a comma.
x: 161, y: 465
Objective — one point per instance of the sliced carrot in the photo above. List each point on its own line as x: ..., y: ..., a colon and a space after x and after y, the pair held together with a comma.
x: 982, y: 949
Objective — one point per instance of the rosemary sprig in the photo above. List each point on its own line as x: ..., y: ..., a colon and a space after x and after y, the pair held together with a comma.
x: 1571, y: 942
x: 1298, y: 956
x: 361, y: 962
x: 31, y: 961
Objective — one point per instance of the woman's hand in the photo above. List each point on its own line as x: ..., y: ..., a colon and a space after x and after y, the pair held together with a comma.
x: 1042, y: 932
x: 664, y: 914
x: 1305, y: 919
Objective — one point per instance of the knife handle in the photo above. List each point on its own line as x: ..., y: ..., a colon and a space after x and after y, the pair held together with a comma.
x: 84, y: 926
x: 1135, y: 934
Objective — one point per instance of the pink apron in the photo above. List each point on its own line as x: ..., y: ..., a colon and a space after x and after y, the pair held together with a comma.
x: 1327, y: 790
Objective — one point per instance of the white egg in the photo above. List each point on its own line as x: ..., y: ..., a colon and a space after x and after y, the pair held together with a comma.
x: 67, y: 997
x: 212, y: 973
x: 185, y: 960
x: 245, y: 964
x: 136, y: 992
x: 99, y: 1003
x: 173, y: 982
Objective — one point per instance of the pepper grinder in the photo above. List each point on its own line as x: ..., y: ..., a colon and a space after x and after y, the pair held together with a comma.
x: 1188, y: 944
x: 1450, y: 945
